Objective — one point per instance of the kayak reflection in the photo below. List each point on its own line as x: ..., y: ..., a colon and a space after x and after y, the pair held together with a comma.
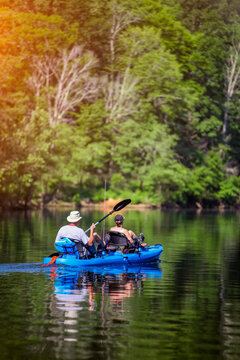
x: 83, y: 289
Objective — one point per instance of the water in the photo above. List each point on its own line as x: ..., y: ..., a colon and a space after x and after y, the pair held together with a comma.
x: 186, y: 307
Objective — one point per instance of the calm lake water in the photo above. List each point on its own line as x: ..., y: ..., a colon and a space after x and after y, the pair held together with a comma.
x: 186, y: 307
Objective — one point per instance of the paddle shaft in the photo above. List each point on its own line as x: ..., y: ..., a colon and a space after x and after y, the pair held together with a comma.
x: 100, y: 220
x: 117, y: 207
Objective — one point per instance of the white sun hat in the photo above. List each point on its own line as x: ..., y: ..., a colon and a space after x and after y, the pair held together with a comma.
x: 74, y: 216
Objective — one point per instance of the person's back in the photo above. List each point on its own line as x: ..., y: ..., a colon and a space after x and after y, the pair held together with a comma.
x: 72, y: 232
x: 130, y: 235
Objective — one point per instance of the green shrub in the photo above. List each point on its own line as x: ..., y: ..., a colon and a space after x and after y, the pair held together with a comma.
x: 230, y: 190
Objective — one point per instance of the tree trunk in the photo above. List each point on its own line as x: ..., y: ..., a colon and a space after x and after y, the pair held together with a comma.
x: 232, y: 75
x: 225, y: 122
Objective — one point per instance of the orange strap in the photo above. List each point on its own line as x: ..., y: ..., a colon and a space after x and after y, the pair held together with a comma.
x: 54, y: 258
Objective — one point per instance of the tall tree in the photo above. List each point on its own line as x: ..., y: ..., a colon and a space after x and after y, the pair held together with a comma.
x: 232, y: 76
x: 62, y: 81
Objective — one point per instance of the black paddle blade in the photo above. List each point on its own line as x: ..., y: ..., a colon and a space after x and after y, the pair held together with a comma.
x: 117, y: 207
x: 121, y: 204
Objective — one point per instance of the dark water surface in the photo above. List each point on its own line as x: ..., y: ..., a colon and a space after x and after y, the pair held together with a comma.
x: 186, y: 307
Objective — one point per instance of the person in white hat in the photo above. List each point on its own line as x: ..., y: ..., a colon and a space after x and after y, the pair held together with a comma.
x: 72, y: 231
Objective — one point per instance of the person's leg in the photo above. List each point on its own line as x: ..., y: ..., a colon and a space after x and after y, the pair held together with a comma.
x: 80, y: 249
x: 97, y: 238
x: 141, y: 237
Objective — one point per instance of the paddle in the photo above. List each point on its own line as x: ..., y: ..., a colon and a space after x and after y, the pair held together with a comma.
x: 117, y: 207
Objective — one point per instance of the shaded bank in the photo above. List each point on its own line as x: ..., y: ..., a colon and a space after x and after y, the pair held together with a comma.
x: 109, y: 204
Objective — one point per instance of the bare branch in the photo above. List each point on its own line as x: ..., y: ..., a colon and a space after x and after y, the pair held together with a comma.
x: 121, y: 18
x: 232, y: 75
x: 120, y: 95
x: 65, y: 80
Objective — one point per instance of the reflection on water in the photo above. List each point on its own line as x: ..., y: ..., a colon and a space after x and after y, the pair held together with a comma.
x: 189, y: 308
x: 102, y: 290
x: 78, y: 289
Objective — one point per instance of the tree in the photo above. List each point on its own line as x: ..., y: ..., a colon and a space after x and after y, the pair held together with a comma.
x: 232, y: 76
x: 62, y: 81
x: 205, y: 181
x: 120, y: 95
x: 23, y: 161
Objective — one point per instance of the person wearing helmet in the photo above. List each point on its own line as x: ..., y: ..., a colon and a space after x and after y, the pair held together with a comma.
x: 130, y: 235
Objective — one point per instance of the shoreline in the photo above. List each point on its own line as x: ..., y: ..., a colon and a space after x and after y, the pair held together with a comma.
x: 110, y: 203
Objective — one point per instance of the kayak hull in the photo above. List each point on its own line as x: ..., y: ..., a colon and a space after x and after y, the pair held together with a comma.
x: 147, y: 255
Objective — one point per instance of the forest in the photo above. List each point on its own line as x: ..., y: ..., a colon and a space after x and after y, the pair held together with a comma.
x: 142, y: 95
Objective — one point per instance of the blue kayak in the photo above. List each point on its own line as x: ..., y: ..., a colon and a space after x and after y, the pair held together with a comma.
x: 143, y: 255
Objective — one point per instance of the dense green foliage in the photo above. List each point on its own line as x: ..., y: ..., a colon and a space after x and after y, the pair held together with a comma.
x: 143, y: 94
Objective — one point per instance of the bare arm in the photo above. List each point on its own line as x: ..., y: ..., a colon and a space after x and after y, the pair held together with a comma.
x: 132, y: 234
x: 90, y: 242
x: 127, y: 233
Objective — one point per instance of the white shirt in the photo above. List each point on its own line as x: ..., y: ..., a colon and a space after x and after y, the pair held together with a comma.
x: 72, y: 232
